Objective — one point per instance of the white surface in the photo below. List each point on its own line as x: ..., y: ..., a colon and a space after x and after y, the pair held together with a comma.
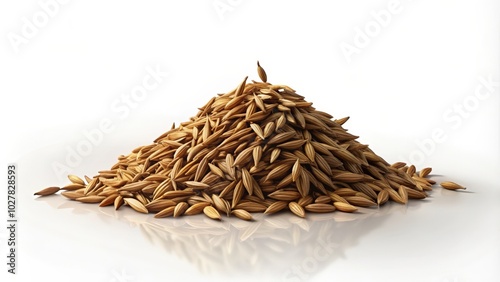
x: 398, y: 89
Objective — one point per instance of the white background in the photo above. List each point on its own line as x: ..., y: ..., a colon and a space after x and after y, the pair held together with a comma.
x: 413, y: 78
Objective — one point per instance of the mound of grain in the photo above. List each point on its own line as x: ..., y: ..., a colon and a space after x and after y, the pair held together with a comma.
x: 258, y: 148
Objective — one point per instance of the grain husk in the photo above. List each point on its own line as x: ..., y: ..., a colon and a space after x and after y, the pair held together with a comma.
x: 450, y: 185
x: 211, y: 212
x: 47, y: 191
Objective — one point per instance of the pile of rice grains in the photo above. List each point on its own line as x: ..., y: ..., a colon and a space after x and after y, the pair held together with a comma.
x: 258, y: 148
